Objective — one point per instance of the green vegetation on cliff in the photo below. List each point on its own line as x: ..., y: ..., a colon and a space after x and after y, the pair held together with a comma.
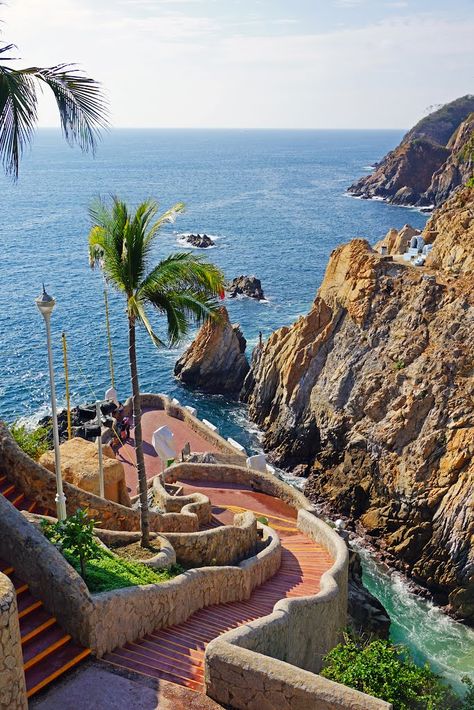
x: 34, y: 443
x: 440, y: 124
x: 387, y: 672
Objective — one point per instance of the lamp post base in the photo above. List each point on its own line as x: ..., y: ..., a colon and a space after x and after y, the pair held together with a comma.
x: 61, y: 506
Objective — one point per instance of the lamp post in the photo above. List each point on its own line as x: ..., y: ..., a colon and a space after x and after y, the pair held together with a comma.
x: 45, y: 305
x: 99, y: 451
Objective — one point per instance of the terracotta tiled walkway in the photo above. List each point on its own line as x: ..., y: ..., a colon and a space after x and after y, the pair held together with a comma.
x: 152, y: 419
x: 176, y: 654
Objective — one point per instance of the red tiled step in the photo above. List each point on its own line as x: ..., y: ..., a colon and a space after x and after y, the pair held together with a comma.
x: 48, y: 651
x: 54, y: 665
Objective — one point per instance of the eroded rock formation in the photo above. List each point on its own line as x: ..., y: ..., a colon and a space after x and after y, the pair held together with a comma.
x: 215, y: 361
x: 373, y: 392
x: 435, y: 157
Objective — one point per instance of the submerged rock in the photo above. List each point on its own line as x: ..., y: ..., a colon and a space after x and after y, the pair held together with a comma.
x: 215, y: 361
x: 245, y: 286
x: 373, y: 391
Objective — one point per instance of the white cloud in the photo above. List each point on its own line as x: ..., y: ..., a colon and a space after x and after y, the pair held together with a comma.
x: 173, y: 67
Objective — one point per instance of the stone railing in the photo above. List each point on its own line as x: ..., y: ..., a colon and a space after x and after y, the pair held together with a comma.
x: 193, y: 504
x: 226, y: 453
x: 299, y: 632
x: 97, y: 620
x: 225, y: 545
x: 12, y: 677
x: 39, y: 484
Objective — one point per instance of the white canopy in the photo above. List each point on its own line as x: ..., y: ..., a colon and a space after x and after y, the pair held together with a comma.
x: 162, y: 440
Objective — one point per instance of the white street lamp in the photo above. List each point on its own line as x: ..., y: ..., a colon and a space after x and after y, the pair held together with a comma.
x: 45, y: 305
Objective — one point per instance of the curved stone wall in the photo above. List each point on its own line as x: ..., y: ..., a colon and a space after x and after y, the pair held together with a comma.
x: 12, y: 677
x: 225, y: 545
x: 192, y: 504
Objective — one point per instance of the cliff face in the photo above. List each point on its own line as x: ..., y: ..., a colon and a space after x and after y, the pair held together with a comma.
x: 215, y: 361
x: 372, y: 392
x: 434, y: 158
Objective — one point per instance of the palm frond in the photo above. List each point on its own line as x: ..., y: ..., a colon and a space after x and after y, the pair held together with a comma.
x: 180, y: 308
x: 83, y: 110
x: 18, y: 116
x: 184, y: 271
x: 143, y: 319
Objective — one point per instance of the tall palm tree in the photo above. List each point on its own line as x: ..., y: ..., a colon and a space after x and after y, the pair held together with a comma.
x: 182, y: 287
x: 81, y: 105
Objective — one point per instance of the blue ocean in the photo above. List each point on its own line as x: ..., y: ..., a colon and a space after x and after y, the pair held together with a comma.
x: 276, y: 205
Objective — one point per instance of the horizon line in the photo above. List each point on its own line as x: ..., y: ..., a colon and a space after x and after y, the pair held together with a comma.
x: 235, y: 128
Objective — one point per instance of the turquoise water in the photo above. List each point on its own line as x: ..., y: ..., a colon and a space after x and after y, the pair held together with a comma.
x: 428, y: 633
x: 275, y: 201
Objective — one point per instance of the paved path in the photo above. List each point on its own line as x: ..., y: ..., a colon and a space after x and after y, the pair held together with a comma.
x: 151, y: 420
x: 176, y: 654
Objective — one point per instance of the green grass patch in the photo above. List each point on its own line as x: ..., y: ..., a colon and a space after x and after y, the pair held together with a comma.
x: 106, y: 571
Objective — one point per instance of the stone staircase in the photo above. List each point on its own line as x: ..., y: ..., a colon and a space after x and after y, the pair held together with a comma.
x: 48, y: 651
x: 176, y: 653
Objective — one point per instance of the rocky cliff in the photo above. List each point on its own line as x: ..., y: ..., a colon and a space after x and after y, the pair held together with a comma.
x: 435, y: 157
x: 372, y: 394
x: 215, y: 361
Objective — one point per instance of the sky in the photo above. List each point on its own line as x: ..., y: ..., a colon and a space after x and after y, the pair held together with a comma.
x: 255, y: 63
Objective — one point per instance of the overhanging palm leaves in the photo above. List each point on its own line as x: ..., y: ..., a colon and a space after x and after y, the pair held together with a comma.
x: 81, y: 104
x: 182, y: 287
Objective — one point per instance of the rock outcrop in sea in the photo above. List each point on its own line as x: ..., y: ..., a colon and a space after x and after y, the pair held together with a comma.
x: 215, y: 361
x: 435, y: 157
x: 372, y: 391
x: 245, y: 286
x: 200, y: 241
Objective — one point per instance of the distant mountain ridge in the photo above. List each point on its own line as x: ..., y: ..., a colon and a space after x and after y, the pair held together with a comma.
x: 434, y: 158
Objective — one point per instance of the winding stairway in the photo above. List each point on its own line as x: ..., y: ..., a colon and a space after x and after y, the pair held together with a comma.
x: 176, y: 654
x: 48, y: 651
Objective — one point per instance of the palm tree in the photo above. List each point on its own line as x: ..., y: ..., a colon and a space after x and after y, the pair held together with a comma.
x: 182, y: 287
x: 81, y: 104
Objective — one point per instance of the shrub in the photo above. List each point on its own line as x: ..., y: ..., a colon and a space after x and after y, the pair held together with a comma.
x: 75, y: 534
x: 388, y: 672
x: 34, y: 443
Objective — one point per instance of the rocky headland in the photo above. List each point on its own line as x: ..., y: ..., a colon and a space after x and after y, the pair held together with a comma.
x: 371, y: 396
x: 245, y: 286
x: 434, y: 158
x: 215, y: 361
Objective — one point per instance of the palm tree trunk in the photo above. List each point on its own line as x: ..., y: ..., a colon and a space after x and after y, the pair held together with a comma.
x: 137, y: 415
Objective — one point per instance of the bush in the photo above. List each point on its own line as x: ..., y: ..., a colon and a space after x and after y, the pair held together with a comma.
x: 34, y: 443
x: 387, y: 672
x: 76, y: 535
